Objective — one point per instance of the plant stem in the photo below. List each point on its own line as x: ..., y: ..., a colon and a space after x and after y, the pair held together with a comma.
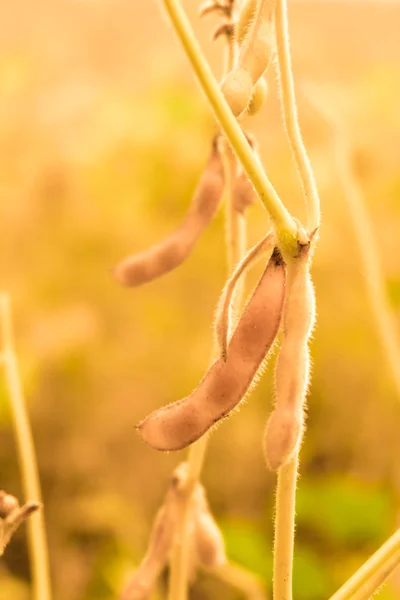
x: 284, y: 530
x: 370, y: 569
x: 38, y: 552
x: 374, y: 584
x: 284, y: 225
x: 289, y: 110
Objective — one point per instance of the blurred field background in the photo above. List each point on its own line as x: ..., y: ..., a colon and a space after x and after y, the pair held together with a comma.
x: 103, y: 135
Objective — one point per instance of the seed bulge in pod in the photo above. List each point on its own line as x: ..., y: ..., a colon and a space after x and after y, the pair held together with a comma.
x: 237, y: 88
x: 258, y: 97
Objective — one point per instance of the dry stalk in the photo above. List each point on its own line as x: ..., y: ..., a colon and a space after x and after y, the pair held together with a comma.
x: 38, y: 552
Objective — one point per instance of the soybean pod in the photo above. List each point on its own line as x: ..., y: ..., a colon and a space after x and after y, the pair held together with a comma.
x: 179, y: 424
x: 173, y: 250
x: 208, y: 541
x: 285, y: 426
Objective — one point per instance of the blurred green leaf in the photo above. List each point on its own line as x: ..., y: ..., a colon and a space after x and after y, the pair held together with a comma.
x: 345, y: 511
x: 246, y: 544
x: 311, y: 576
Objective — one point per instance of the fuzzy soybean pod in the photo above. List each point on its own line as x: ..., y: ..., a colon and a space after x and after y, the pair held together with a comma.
x: 243, y: 194
x: 208, y: 541
x: 258, y: 97
x: 173, y: 250
x: 238, y: 86
x: 226, y: 382
x: 256, y: 57
x: 285, y: 426
x: 245, y: 20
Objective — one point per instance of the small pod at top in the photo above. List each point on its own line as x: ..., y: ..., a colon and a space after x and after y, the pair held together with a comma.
x: 173, y: 250
x: 226, y: 382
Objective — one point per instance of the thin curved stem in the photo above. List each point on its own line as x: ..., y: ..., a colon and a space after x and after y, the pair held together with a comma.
x: 370, y: 569
x: 374, y: 585
x: 38, y: 552
x: 284, y: 225
x: 289, y: 110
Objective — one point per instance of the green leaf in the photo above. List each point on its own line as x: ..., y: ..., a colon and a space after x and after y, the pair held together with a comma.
x: 345, y: 511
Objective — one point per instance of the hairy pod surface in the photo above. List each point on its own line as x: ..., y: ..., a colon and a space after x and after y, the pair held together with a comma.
x: 243, y: 194
x: 222, y: 315
x: 225, y: 384
x: 237, y: 88
x: 173, y: 250
x: 256, y: 60
x: 293, y: 364
x: 258, y: 97
x: 209, y: 543
x: 245, y: 20
x: 282, y: 436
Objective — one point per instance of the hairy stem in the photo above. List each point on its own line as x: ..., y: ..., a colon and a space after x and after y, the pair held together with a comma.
x: 289, y: 109
x: 284, y: 530
x: 38, y: 552
x: 371, y: 570
x: 284, y: 225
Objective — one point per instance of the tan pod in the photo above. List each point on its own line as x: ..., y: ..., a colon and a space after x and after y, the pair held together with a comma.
x: 173, y: 250
x: 225, y: 384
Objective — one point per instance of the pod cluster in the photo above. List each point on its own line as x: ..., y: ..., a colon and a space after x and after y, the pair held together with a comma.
x: 207, y: 549
x: 245, y: 87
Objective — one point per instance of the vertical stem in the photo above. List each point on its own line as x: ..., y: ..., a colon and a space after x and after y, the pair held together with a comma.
x: 38, y: 552
x: 289, y: 109
x: 284, y: 530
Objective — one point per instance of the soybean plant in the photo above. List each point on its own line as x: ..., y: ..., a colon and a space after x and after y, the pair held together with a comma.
x: 185, y: 535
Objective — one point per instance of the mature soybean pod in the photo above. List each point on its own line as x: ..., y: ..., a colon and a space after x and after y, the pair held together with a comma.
x: 225, y: 384
x: 243, y: 194
x: 255, y: 59
x: 173, y: 250
x: 237, y: 88
x: 208, y: 540
x: 245, y: 20
x: 284, y: 428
